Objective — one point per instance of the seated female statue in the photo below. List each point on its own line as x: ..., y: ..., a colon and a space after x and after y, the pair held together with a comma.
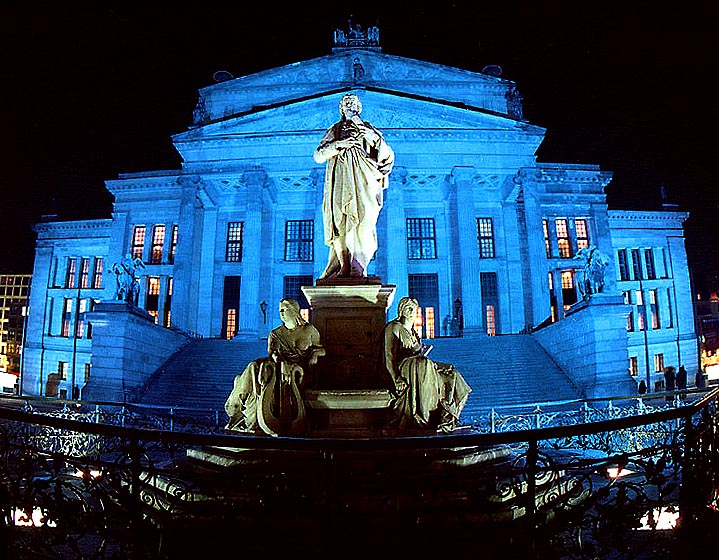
x: 295, y: 342
x: 429, y: 394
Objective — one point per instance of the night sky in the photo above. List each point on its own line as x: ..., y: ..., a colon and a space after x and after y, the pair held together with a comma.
x: 93, y: 91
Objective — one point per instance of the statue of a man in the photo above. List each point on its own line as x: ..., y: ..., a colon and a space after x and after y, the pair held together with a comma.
x: 359, y: 162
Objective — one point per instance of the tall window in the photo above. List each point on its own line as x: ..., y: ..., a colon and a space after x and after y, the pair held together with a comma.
x: 233, y: 248
x: 485, y: 236
x: 231, y: 306
x: 421, y: 242
x: 173, y: 245
x: 649, y: 263
x: 168, y: 303
x: 552, y: 297
x: 654, y: 309
x: 565, y: 250
x: 292, y: 288
x: 71, y: 275
x: 62, y: 370
x: 633, y: 366
x: 80, y: 323
x: 630, y: 317
x: 641, y: 311
x: 569, y: 294
x: 636, y: 265
x: 623, y: 265
x: 580, y: 226
x: 138, y: 241
x: 425, y: 289
x: 66, y: 317
x: 670, y: 310
x: 547, y: 246
x: 84, y: 273
x: 658, y: 363
x: 490, y: 300
x: 158, y: 240
x: 97, y: 274
x: 153, y: 295
x: 299, y: 240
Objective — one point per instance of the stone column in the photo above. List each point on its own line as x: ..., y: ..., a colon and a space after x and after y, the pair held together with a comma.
x: 395, y: 250
x: 462, y: 178
x: 255, y: 182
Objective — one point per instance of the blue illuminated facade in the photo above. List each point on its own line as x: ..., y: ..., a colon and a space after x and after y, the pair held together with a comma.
x: 473, y: 226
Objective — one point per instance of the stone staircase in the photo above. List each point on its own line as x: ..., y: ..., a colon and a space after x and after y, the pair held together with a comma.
x: 503, y: 371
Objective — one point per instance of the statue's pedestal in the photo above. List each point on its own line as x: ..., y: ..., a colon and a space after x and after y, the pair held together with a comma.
x: 350, y: 319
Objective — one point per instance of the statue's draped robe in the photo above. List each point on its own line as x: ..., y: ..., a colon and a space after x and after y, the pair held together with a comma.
x: 355, y: 179
x: 242, y: 402
x: 436, y: 392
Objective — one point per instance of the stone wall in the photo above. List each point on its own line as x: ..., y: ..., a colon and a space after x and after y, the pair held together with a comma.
x: 127, y: 348
x: 590, y: 345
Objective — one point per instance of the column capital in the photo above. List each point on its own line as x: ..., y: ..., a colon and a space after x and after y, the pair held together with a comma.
x: 462, y: 174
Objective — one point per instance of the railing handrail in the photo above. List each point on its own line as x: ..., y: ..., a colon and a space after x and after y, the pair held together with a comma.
x: 353, y: 443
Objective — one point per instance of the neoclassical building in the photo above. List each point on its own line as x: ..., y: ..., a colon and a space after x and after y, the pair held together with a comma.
x: 473, y: 226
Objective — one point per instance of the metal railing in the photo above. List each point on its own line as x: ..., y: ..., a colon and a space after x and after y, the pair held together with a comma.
x: 104, y: 480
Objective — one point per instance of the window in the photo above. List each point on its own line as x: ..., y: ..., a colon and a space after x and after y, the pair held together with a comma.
x: 641, y: 311
x: 421, y: 238
x: 485, y: 236
x: 84, y: 273
x: 153, y: 295
x: 636, y: 265
x: 168, y: 302
x: 173, y: 245
x: 580, y: 225
x: 563, y: 238
x: 649, y: 263
x: 569, y: 294
x: 630, y: 317
x: 87, y: 373
x: 138, y: 241
x: 654, y: 309
x: 62, y: 370
x: 292, y: 288
x: 670, y: 310
x: 490, y: 300
x: 80, y: 324
x: 633, y: 366
x: 233, y: 249
x: 552, y: 297
x: 425, y: 289
x: 299, y: 240
x: 66, y: 317
x: 71, y: 276
x: 658, y: 363
x: 97, y: 275
x: 547, y: 246
x: 231, y: 306
x: 623, y: 266
x: 158, y: 240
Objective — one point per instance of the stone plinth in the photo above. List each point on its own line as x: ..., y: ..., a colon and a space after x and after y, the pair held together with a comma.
x: 350, y: 319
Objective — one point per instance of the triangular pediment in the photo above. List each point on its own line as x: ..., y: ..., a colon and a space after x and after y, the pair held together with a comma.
x: 388, y: 111
x: 355, y: 68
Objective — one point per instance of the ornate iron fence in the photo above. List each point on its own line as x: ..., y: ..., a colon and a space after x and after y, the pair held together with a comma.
x: 596, y: 481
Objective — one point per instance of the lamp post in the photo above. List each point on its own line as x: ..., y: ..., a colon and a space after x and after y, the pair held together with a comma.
x: 263, y: 308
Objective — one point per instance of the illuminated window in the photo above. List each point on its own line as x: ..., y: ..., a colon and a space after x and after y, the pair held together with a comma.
x: 485, y: 237
x: 641, y: 311
x: 658, y: 363
x: 421, y: 242
x: 569, y: 294
x: 71, y: 276
x: 654, y: 309
x: 62, y: 370
x: 292, y: 289
x: 233, y: 249
x: 173, y: 245
x: 489, y: 319
x: 230, y: 323
x: 66, y: 317
x: 138, y: 241
x: 633, y: 366
x: 152, y: 296
x: 97, y: 274
x: 425, y: 289
x: 630, y: 317
x: 547, y: 246
x: 84, y: 273
x: 299, y: 240
x: 158, y: 240
x: 563, y: 238
x: 580, y: 226
x: 87, y: 373
x: 168, y: 302
x: 80, y: 325
x: 429, y: 322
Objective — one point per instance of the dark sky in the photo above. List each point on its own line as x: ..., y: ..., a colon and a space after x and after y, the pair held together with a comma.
x: 96, y: 90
